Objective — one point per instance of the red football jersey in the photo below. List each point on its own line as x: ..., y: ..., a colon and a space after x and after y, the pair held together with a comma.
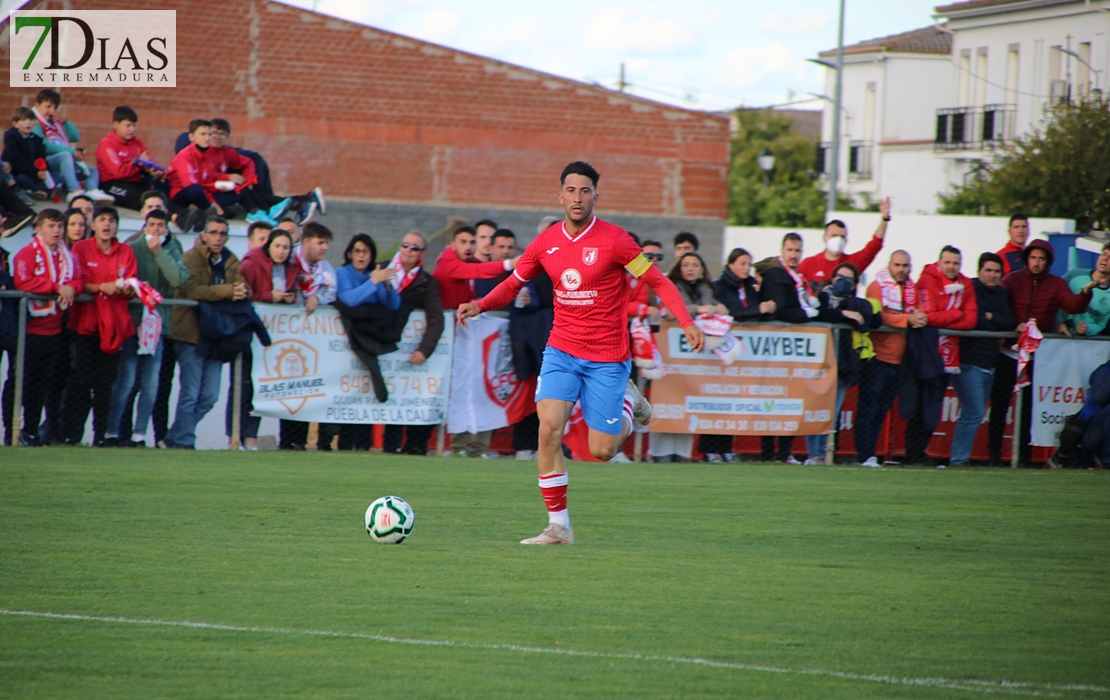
x: 591, y: 295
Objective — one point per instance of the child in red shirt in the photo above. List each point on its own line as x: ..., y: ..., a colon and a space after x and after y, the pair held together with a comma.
x: 115, y: 157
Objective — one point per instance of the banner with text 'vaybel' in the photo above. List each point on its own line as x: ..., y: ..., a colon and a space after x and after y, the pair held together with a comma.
x: 310, y: 374
x: 784, y: 383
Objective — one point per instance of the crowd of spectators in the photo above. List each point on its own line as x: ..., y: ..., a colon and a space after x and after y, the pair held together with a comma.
x: 916, y: 364
x: 119, y: 360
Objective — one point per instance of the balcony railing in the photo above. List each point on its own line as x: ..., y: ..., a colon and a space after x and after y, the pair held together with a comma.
x: 859, y: 160
x: 975, y: 128
x: 820, y: 166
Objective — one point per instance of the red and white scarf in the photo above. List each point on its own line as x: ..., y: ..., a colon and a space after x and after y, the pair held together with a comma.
x: 809, y: 304
x: 948, y: 345
x: 645, y: 353
x: 52, y: 131
x: 1026, y: 345
x: 896, y: 297
x: 56, y: 264
x: 402, y: 279
x: 307, y: 280
x: 150, y: 329
x: 719, y: 338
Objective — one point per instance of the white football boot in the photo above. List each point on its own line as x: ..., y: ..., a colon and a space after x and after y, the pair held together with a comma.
x: 552, y: 534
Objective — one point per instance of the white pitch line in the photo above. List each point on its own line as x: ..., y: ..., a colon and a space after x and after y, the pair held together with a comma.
x: 981, y: 686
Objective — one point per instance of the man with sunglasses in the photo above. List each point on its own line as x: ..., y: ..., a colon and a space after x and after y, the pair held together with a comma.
x: 641, y: 302
x: 420, y: 290
x: 213, y: 276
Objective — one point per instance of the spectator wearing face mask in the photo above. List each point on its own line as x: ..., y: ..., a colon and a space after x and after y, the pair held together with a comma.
x: 839, y: 304
x: 818, y: 269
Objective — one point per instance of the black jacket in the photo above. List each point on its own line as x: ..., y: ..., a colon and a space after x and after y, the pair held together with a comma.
x: 924, y: 379
x: 983, y: 352
x: 778, y: 286
x: 373, y: 330
x: 226, y: 328
x: 22, y: 152
x: 727, y: 288
x: 529, y: 328
x: 849, y: 366
x: 423, y: 293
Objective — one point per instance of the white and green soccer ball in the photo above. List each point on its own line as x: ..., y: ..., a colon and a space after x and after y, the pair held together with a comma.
x: 389, y: 520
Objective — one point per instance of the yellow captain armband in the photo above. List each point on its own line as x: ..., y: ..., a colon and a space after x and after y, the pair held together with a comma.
x: 639, y: 265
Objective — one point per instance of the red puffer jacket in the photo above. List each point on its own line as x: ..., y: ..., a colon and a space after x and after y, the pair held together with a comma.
x: 1041, y: 296
x: 956, y: 309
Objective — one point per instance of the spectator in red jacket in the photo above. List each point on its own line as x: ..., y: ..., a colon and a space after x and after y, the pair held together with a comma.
x: 1035, y: 295
x: 44, y: 266
x: 1010, y: 253
x: 456, y: 269
x: 102, y: 325
x: 947, y: 298
x: 818, y: 269
x: 115, y: 156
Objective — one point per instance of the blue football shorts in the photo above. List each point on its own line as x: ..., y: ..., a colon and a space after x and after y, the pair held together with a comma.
x: 598, y: 385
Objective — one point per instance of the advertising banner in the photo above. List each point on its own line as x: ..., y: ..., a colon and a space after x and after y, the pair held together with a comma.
x: 485, y: 391
x: 310, y: 374
x: 1060, y: 381
x: 784, y: 383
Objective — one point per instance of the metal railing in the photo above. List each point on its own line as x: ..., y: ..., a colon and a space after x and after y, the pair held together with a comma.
x: 21, y: 349
x: 974, y: 128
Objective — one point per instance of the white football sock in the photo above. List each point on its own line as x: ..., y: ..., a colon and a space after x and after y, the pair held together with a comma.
x: 559, y: 517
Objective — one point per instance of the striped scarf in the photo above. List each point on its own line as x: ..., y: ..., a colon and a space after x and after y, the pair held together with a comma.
x: 896, y: 297
x: 58, y: 265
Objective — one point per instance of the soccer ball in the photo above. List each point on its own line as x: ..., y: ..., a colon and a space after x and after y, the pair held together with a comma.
x: 389, y: 520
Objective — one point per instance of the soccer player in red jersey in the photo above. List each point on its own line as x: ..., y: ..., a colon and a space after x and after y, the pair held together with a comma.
x: 587, y: 357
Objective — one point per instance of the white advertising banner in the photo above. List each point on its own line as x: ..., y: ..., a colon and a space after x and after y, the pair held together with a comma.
x: 309, y: 373
x: 485, y: 391
x: 1060, y: 383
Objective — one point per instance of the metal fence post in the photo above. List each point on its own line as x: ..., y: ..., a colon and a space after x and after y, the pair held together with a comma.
x: 1015, y: 448
x: 237, y: 399
x: 830, y: 445
x: 20, y: 354
x: 638, y: 439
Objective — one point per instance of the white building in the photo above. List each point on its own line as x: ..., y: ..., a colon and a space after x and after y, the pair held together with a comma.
x: 922, y: 110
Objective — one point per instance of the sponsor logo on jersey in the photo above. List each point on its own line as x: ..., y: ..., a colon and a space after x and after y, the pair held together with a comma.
x: 589, y: 255
x: 549, y: 251
x: 571, y: 279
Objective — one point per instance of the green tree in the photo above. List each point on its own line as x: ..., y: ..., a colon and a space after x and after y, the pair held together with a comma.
x: 1060, y: 171
x: 791, y: 198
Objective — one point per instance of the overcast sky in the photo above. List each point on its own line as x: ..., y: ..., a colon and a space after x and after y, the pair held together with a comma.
x: 706, y: 54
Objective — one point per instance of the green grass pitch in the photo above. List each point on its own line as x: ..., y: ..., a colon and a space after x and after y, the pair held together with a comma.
x: 691, y: 581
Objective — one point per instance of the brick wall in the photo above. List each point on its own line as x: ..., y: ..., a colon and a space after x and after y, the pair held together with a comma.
x: 374, y: 115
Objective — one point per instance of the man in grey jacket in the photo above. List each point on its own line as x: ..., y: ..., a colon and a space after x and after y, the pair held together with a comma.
x: 158, y: 254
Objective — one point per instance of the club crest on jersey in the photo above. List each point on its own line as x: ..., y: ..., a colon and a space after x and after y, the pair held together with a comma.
x: 589, y: 255
x: 571, y: 279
